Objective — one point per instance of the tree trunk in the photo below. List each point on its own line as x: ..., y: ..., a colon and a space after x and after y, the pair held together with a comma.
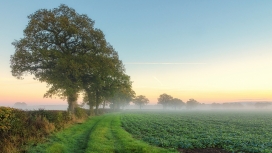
x: 96, y: 108
x: 91, y: 111
x: 114, y: 106
x: 104, y: 104
x: 72, y: 102
x: 91, y: 104
x: 118, y: 106
x: 96, y: 103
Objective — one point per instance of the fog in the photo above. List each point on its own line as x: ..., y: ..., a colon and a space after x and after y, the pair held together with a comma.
x: 250, y: 106
x: 44, y: 107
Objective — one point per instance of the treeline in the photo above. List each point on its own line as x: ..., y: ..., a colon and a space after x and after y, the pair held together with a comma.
x: 167, y: 101
x: 240, y: 105
x: 63, y: 49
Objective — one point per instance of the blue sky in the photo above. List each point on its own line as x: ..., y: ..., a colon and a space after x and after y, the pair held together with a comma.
x: 216, y: 50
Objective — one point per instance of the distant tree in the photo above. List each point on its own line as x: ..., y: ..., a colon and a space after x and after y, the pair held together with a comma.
x: 191, y: 103
x: 215, y: 105
x: 226, y: 105
x: 262, y: 104
x: 165, y: 100
x: 140, y: 100
x: 232, y: 105
x: 20, y: 105
x: 177, y: 103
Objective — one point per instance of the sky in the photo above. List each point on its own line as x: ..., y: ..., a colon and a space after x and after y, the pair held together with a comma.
x: 212, y: 51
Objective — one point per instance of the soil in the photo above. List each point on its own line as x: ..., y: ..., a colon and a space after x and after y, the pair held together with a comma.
x: 206, y: 150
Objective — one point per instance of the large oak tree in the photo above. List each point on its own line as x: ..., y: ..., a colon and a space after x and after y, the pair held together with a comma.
x: 59, y: 46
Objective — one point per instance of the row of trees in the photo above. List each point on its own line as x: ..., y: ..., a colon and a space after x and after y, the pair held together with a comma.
x: 63, y: 49
x: 166, y: 101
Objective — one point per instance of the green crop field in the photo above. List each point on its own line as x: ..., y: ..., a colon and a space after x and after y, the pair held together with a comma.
x: 162, y: 131
x: 233, y: 131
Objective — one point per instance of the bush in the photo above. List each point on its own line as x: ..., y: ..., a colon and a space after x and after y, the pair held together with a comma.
x: 80, y: 113
x: 6, y: 118
x: 12, y: 131
x: 18, y: 127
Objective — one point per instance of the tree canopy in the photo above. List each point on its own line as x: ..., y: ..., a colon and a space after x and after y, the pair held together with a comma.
x: 140, y: 100
x: 192, y: 103
x: 123, y: 93
x: 165, y: 100
x: 176, y: 103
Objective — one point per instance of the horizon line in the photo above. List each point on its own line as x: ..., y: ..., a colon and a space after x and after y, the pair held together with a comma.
x: 146, y: 63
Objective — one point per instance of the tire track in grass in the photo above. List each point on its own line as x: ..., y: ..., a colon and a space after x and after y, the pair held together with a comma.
x: 117, y: 145
x: 104, y: 137
x: 83, y: 143
x: 101, y: 139
x: 72, y: 139
x: 124, y: 143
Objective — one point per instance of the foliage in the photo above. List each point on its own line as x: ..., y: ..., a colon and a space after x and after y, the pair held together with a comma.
x: 103, y: 77
x: 60, y: 47
x: 140, y: 100
x: 6, y: 117
x: 262, y: 104
x: 165, y: 100
x: 123, y: 93
x: 216, y: 105
x: 80, y: 112
x: 115, y: 88
x: 176, y: 103
x: 232, y: 105
x: 18, y: 127
x: 233, y: 131
x: 63, y: 49
x: 20, y: 105
x: 191, y: 103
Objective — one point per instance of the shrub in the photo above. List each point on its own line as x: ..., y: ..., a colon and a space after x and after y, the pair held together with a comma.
x: 6, y: 117
x: 80, y: 113
x: 18, y: 127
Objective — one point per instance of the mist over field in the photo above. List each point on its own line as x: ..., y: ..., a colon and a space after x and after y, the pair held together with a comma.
x: 237, y: 106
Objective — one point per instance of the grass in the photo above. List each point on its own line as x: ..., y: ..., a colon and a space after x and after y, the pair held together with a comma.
x: 96, y: 135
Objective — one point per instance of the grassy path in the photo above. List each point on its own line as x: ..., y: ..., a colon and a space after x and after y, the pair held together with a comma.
x: 102, y: 134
